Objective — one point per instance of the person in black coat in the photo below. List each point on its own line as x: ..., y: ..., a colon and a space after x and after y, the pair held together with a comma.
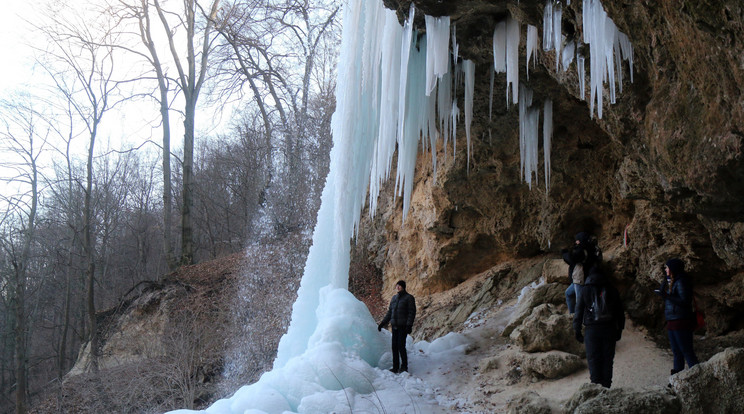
x: 676, y: 290
x: 400, y: 314
x: 601, y: 312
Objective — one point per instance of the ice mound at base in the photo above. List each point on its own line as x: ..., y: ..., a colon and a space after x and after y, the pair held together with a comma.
x: 338, y: 371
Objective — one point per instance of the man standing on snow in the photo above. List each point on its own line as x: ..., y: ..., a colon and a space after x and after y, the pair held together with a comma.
x: 400, y: 314
x: 600, y: 310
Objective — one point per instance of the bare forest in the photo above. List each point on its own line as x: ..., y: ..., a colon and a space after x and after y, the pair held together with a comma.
x: 237, y: 97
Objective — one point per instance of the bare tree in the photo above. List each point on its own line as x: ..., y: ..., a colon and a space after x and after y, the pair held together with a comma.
x: 265, y: 42
x: 191, y: 77
x: 22, y: 139
x: 143, y: 12
x: 80, y: 61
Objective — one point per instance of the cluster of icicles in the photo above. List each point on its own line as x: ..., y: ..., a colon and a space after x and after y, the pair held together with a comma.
x: 409, y: 85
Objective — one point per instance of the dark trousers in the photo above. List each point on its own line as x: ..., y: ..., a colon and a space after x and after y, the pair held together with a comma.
x: 400, y: 356
x: 600, y: 353
x: 681, y: 343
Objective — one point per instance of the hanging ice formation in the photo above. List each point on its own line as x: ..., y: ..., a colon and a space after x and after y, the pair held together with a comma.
x: 531, y: 48
x: 468, y: 66
x: 437, y: 52
x: 547, y: 138
x: 608, y: 47
x: 529, y: 118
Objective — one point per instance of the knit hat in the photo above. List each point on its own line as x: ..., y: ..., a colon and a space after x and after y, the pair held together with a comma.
x: 676, y: 266
x: 402, y: 284
x: 583, y: 237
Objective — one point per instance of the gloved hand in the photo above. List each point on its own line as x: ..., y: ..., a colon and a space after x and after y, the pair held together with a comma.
x: 379, y: 328
x: 409, y: 329
x: 579, y: 337
x: 618, y: 334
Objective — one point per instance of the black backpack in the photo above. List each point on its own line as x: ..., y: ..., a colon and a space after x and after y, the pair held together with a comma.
x: 601, y: 305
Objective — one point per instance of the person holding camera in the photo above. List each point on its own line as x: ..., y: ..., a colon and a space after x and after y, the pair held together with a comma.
x: 584, y: 255
x: 676, y: 291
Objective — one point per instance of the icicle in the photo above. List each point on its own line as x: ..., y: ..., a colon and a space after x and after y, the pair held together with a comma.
x: 455, y: 46
x: 455, y: 113
x: 581, y: 74
x: 444, y: 104
x: 531, y: 47
x: 418, y: 109
x: 610, y: 31
x: 567, y: 55
x: 499, y: 47
x: 548, y: 26
x: 627, y: 50
x: 557, y: 35
x: 607, y: 48
x: 528, y: 135
x: 405, y: 54
x: 392, y: 36
x: 512, y: 59
x: 437, y: 52
x: 469, y: 69
x: 490, y: 97
x: 547, y: 137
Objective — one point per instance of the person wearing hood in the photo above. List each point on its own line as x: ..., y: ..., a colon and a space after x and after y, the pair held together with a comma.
x: 676, y: 291
x: 600, y: 311
x: 580, y: 259
x: 400, y: 314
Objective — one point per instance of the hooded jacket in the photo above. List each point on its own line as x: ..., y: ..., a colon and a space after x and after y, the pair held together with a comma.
x: 678, y: 298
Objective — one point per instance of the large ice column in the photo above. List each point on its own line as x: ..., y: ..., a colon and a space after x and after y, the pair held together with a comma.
x: 355, y: 133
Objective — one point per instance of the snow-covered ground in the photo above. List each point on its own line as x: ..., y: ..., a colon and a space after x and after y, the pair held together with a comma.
x: 462, y: 372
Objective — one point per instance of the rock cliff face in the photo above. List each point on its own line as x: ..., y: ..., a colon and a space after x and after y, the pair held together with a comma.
x: 664, y: 165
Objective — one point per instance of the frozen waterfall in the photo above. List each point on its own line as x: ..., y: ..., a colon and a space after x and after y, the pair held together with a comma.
x: 386, y: 101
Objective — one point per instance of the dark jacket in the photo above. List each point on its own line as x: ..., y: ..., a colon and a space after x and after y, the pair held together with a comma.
x: 402, y: 311
x: 678, y: 300
x: 593, y: 285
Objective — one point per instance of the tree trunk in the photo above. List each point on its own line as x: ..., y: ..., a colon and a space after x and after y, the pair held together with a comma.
x: 187, y: 231
x: 90, y: 256
x: 21, y: 362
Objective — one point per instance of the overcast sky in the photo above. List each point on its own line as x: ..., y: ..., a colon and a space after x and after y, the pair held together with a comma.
x: 14, y: 38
